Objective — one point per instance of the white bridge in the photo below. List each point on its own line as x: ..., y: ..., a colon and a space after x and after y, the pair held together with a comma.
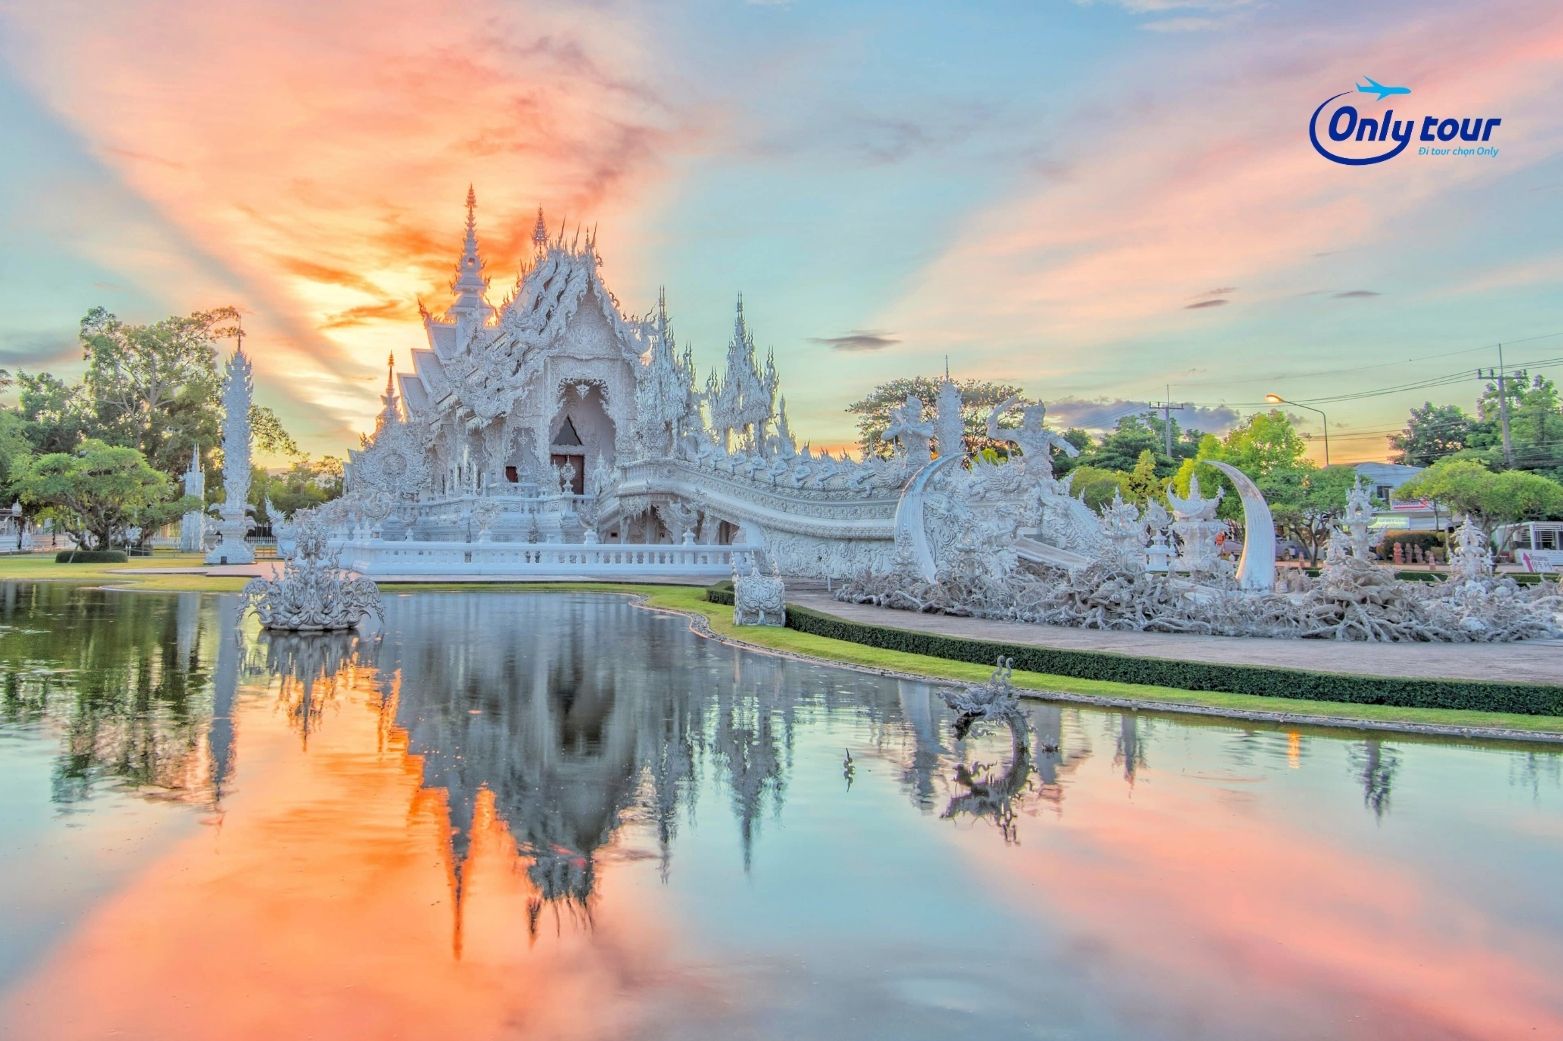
x: 500, y: 560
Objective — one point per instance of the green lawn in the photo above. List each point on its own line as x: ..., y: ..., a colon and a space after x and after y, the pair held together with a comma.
x: 691, y: 600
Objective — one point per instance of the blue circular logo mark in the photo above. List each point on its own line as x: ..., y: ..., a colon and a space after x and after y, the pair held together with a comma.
x: 1345, y: 125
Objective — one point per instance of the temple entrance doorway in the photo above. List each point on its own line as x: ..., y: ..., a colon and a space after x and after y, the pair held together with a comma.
x: 582, y: 431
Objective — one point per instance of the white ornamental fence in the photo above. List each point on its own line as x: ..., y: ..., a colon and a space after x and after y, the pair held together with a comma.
x: 377, y: 558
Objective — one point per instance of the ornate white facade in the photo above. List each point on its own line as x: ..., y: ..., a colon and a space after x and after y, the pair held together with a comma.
x: 555, y: 434
x: 555, y: 418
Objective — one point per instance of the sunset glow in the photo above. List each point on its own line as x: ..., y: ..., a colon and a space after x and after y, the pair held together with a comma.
x: 1092, y: 200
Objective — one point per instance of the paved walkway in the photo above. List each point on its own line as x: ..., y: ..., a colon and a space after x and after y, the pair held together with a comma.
x: 1530, y: 661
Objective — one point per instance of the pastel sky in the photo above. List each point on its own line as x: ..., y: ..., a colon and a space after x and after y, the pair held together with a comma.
x: 1093, y: 200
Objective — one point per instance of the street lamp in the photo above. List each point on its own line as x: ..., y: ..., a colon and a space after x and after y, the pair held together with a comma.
x: 1276, y: 399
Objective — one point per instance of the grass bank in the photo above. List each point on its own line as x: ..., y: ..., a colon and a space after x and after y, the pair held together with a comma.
x: 691, y: 600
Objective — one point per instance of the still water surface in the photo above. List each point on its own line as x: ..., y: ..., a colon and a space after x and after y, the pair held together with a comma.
x: 563, y: 816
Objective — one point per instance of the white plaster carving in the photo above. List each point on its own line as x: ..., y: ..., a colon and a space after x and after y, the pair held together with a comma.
x: 758, y: 599
x: 233, y: 515
x: 312, y: 594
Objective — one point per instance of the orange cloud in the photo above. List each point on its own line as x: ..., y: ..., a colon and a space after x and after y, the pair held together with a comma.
x: 351, y: 130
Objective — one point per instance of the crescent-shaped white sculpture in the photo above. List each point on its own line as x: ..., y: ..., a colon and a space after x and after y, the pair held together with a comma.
x: 909, y: 514
x: 1256, y: 567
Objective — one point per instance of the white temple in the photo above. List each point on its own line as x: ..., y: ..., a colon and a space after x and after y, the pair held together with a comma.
x: 554, y: 419
x: 555, y: 435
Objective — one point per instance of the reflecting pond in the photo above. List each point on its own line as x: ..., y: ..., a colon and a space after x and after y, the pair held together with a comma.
x: 563, y: 815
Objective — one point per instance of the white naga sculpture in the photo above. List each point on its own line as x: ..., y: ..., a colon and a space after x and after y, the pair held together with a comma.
x: 192, y: 526
x: 312, y: 594
x: 233, y: 515
x: 758, y: 599
x: 994, y: 700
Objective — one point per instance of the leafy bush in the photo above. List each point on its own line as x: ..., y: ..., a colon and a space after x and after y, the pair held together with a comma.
x: 1527, y: 699
x: 90, y: 556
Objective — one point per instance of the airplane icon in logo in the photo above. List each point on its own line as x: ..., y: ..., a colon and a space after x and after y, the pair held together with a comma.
x: 1375, y: 87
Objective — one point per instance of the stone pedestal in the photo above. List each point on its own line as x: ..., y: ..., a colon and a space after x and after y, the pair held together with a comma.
x: 231, y: 547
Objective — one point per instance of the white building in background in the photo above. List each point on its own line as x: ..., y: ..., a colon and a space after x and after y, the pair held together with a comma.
x: 1384, y: 480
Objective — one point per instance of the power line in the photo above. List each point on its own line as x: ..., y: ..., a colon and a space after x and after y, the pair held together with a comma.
x: 1363, y: 368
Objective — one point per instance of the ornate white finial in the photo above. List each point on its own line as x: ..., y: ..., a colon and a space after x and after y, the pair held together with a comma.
x: 234, y: 525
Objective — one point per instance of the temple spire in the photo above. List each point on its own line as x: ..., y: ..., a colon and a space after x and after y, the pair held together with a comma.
x: 540, y: 232
x: 389, y: 414
x: 470, y: 284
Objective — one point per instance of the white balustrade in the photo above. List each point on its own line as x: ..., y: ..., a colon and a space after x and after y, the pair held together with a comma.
x: 378, y: 558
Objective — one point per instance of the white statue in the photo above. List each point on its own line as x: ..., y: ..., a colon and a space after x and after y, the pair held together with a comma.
x: 1032, y: 436
x: 915, y: 433
x: 1472, y: 557
x: 1195, y: 524
x: 233, y: 515
x: 1358, y: 517
x: 994, y: 700
x: 758, y: 599
x: 1124, y: 529
x: 949, y: 424
x: 313, y: 595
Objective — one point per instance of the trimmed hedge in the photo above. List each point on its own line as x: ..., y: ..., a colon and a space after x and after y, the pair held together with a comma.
x: 91, y: 556
x: 1486, y: 696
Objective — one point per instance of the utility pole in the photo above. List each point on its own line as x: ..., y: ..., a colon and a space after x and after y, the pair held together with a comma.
x: 1167, y: 408
x: 1502, y: 378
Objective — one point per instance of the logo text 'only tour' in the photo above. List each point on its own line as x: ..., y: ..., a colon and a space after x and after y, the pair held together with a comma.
x: 1352, y: 137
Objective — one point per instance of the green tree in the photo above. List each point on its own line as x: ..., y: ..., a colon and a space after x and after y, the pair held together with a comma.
x: 306, y: 483
x: 1133, y: 435
x: 1095, y: 485
x: 1144, y: 483
x: 98, y: 492
x: 15, y: 454
x: 54, y: 414
x: 1465, y: 486
x: 1267, y: 448
x: 1307, y: 502
x: 1431, y: 433
x: 978, y: 399
x: 1536, y: 426
x: 156, y: 387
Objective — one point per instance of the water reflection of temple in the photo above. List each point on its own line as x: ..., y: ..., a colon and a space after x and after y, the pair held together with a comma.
x: 512, y: 703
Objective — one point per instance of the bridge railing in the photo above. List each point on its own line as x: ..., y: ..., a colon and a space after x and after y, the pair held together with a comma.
x: 374, y: 557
